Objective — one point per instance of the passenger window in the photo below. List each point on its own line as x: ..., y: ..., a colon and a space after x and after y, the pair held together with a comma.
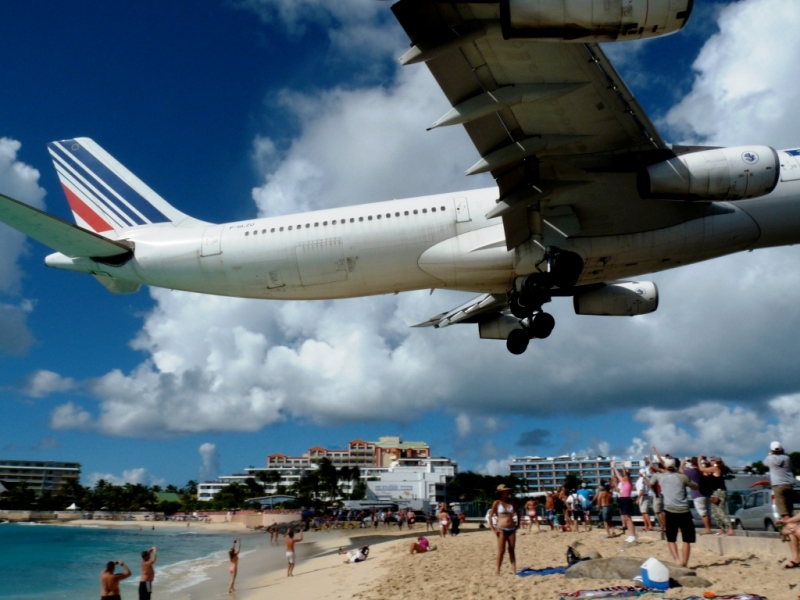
x: 433, y: 209
x: 325, y: 223
x: 263, y: 231
x: 406, y: 213
x: 397, y: 214
x: 352, y: 220
x: 273, y: 230
x: 370, y: 217
x: 281, y: 229
x: 360, y: 218
x: 308, y: 225
x: 416, y: 211
x: 388, y: 215
x: 290, y: 227
x: 316, y: 224
x: 425, y: 210
x: 379, y: 216
x: 443, y: 208
x: 246, y: 233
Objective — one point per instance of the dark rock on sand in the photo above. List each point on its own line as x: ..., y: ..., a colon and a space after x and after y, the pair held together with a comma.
x: 620, y: 568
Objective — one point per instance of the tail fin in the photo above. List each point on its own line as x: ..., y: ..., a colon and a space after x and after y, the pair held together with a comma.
x: 104, y: 196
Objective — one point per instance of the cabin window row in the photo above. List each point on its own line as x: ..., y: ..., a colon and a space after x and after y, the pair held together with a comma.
x: 344, y: 221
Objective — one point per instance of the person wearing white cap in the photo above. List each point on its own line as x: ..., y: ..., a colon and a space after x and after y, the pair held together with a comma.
x: 781, y: 478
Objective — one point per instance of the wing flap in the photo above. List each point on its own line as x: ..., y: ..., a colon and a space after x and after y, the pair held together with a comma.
x: 467, y: 312
x: 69, y: 239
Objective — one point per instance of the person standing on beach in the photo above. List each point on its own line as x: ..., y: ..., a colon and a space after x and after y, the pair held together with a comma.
x: 148, y: 573
x: 290, y: 555
x: 444, y: 521
x: 233, y: 554
x: 676, y: 509
x: 625, y: 501
x: 109, y: 581
x: 604, y: 500
x: 506, y: 528
x: 781, y: 479
x: 530, y: 508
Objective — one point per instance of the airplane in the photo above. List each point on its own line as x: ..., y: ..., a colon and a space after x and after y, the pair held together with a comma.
x: 588, y: 195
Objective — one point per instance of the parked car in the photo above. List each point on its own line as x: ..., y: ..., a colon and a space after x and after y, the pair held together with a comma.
x: 759, y: 511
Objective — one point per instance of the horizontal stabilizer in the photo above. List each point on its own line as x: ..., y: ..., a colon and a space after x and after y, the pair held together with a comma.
x: 69, y: 239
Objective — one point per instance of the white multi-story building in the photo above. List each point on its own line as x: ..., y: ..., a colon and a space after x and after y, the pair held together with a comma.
x: 371, y: 458
x: 544, y: 474
x: 417, y: 479
x: 39, y: 475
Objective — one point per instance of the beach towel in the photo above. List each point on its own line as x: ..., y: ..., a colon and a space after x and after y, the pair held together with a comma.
x: 619, y: 591
x: 733, y: 597
x: 547, y: 571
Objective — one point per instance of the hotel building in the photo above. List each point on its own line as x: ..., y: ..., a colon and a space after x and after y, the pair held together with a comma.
x: 544, y: 474
x: 39, y: 475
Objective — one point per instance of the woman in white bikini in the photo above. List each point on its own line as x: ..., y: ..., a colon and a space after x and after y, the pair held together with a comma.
x: 444, y: 521
x: 506, y: 527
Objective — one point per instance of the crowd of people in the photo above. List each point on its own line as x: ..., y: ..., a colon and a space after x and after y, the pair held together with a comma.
x: 667, y: 488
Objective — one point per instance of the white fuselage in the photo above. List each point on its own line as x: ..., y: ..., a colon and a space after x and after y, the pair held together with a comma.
x: 441, y: 241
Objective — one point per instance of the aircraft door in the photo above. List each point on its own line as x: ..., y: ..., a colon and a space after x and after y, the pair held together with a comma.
x: 211, y: 245
x: 790, y: 166
x: 321, y: 261
x: 462, y: 210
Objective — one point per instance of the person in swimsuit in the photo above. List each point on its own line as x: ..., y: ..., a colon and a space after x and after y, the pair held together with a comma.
x: 109, y: 581
x: 148, y: 573
x: 530, y: 508
x: 444, y: 521
x: 290, y: 556
x: 233, y: 554
x: 506, y: 528
x: 603, y: 500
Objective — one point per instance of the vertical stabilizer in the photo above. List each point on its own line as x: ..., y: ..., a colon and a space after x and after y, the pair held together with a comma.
x: 104, y: 196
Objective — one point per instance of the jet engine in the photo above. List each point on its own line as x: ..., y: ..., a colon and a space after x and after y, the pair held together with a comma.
x: 592, y: 20
x: 721, y: 174
x: 624, y: 299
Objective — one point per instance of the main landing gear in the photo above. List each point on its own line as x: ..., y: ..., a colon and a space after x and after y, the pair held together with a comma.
x: 539, y: 326
x: 532, y: 291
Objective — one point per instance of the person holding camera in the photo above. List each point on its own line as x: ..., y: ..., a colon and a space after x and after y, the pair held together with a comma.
x: 109, y: 581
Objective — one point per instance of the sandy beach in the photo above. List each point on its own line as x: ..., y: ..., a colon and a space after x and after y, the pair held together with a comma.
x: 464, y: 566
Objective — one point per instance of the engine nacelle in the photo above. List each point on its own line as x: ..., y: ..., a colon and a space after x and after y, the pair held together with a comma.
x: 592, y: 20
x: 625, y: 299
x: 721, y: 174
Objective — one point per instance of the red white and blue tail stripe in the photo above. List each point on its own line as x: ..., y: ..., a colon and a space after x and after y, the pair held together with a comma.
x: 104, y: 196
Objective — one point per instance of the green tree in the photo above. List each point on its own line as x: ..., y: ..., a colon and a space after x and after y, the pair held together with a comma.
x: 328, y: 478
x: 756, y: 468
x: 572, y: 481
x: 19, y: 497
x: 795, y: 456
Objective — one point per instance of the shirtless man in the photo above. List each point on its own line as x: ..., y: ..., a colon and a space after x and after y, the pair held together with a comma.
x: 109, y: 581
x: 604, y: 500
x: 290, y: 556
x: 148, y: 573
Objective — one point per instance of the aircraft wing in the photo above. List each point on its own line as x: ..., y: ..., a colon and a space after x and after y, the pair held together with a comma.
x: 69, y: 239
x: 545, y: 117
x: 469, y: 312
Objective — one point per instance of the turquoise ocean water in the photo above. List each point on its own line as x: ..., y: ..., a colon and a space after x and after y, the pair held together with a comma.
x: 52, y: 561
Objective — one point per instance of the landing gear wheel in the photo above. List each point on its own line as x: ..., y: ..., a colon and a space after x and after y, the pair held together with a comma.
x: 517, y: 341
x: 542, y: 325
x: 520, y: 310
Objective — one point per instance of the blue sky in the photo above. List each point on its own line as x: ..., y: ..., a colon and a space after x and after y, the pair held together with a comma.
x: 273, y: 106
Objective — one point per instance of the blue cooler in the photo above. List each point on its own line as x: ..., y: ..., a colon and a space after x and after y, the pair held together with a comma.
x: 655, y: 574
